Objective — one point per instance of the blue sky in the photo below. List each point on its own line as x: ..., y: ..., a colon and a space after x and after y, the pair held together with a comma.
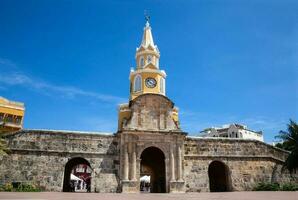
x: 227, y: 61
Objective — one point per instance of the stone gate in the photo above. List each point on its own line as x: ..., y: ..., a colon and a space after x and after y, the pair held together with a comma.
x: 176, y: 162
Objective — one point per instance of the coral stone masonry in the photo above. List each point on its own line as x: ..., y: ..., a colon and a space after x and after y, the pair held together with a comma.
x: 41, y: 157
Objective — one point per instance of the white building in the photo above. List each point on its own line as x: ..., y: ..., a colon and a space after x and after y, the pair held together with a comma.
x: 233, y: 131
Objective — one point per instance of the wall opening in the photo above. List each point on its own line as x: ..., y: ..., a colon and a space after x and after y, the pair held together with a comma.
x: 152, y: 171
x: 77, y: 176
x: 219, y: 178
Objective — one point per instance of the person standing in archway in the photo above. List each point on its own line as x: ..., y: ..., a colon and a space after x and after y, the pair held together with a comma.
x: 88, y: 184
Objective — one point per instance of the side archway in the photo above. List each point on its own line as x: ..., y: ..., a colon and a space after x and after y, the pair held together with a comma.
x: 152, y: 171
x: 77, y: 179
x: 219, y: 177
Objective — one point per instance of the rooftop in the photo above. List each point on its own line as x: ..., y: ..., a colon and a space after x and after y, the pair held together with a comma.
x: 13, y: 104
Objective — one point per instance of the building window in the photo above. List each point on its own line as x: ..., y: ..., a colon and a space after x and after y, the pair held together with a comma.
x: 18, y: 120
x: 149, y: 58
x: 162, y: 85
x: 142, y: 61
x: 137, y: 83
x: 9, y: 119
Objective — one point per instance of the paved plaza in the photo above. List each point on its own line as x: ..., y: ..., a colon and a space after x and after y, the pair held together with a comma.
x: 110, y: 196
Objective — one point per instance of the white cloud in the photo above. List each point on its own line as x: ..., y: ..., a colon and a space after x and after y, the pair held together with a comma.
x: 264, y: 123
x: 194, y: 122
x: 15, y: 78
x: 7, y: 63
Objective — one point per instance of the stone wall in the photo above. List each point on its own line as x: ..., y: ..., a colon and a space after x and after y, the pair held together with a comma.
x: 249, y: 162
x: 40, y: 157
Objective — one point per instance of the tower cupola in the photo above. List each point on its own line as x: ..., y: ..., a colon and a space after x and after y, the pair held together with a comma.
x: 147, y: 53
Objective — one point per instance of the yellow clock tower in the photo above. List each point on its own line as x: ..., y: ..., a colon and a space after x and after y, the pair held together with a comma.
x: 147, y: 77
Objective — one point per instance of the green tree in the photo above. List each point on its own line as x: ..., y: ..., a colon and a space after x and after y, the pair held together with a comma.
x: 290, y: 142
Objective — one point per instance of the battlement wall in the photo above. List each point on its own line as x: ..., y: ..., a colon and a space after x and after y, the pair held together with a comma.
x: 231, y: 147
x: 40, y: 157
x: 247, y: 163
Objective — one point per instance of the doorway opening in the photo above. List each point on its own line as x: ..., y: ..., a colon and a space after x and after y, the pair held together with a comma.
x: 77, y: 176
x: 152, y: 171
x: 219, y: 178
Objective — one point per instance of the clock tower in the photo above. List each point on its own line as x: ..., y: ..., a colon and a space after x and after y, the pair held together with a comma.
x: 147, y: 77
x: 147, y: 84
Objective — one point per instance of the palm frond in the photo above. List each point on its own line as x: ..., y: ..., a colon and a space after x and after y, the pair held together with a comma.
x: 290, y: 142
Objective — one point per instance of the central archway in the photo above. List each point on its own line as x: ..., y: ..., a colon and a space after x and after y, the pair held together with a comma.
x: 152, y: 171
x: 219, y: 178
x: 77, y: 175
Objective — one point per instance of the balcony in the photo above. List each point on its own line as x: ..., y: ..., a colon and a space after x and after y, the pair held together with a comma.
x: 10, y: 124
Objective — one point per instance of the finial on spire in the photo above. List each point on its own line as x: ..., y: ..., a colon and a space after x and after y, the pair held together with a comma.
x: 147, y: 17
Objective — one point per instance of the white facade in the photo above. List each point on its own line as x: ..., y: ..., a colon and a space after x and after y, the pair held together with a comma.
x: 233, y: 131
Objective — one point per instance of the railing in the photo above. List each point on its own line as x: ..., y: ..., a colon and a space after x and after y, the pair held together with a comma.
x: 11, y: 124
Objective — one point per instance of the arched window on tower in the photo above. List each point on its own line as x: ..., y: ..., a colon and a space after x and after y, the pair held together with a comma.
x: 137, y: 86
x: 149, y: 59
x: 142, y: 63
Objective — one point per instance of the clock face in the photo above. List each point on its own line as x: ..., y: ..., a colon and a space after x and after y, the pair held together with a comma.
x: 150, y: 82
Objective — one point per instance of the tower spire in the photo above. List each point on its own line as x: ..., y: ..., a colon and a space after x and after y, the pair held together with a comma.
x: 147, y: 43
x: 147, y: 35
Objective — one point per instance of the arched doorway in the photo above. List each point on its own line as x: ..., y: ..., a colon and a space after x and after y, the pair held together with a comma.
x: 77, y: 176
x: 219, y: 178
x: 152, y: 171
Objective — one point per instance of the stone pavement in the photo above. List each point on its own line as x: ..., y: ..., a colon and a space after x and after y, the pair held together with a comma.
x: 187, y: 196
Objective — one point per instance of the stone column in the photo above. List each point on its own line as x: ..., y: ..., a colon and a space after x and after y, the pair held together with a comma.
x: 138, y: 167
x: 179, y: 177
x: 125, y: 167
x: 134, y: 163
x: 172, y: 163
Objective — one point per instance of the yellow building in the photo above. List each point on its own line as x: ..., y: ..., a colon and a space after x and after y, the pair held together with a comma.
x: 11, y: 115
x: 147, y: 77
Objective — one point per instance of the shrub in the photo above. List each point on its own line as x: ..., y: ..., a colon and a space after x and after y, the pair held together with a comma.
x: 276, y: 187
x: 267, y: 187
x: 25, y: 187
x: 289, y: 187
x: 20, y: 187
x: 6, y: 187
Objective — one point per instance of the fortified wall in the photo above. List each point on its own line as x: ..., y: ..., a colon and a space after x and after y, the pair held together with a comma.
x: 246, y: 162
x: 41, y: 156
